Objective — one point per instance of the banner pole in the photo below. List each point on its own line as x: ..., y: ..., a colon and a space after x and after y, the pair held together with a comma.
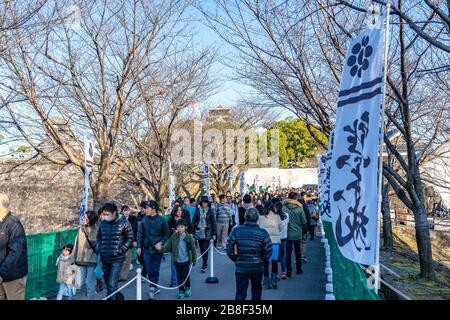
x: 380, y: 170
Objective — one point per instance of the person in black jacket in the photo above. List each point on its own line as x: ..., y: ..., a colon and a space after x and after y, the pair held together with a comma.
x: 249, y: 246
x: 152, y: 230
x: 114, y: 238
x: 306, y: 228
x: 13, y: 254
x: 247, y: 203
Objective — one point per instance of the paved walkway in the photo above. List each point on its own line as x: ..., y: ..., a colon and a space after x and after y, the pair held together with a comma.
x: 308, y: 286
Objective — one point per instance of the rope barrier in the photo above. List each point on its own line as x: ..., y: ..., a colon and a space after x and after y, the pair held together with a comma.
x: 157, y: 285
x: 171, y: 288
x: 204, y: 252
x: 122, y: 287
x: 222, y: 253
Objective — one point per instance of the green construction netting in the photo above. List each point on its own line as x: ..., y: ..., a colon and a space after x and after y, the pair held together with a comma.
x: 43, y: 250
x: 349, y: 280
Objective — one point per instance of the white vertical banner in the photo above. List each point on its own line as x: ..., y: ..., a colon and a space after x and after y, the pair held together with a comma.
x: 354, y: 160
x: 256, y: 183
x: 229, y: 174
x: 279, y: 181
x: 171, y: 186
x: 274, y: 183
x: 206, y: 177
x: 325, y: 212
x: 242, y: 184
x: 88, y: 167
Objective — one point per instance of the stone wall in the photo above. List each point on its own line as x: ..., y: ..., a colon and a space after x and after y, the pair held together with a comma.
x: 46, y: 196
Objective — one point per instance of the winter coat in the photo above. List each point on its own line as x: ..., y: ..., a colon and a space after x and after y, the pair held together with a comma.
x: 210, y: 223
x: 114, y: 238
x: 223, y: 213
x: 84, y: 251
x: 152, y: 230
x: 272, y: 223
x: 173, y: 243
x: 297, y: 219
x: 66, y: 269
x: 241, y: 211
x: 311, y: 209
x: 284, y: 228
x: 253, y: 247
x: 13, y: 249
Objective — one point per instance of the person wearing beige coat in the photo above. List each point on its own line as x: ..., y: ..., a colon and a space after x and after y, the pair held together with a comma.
x: 273, y: 224
x: 85, y: 255
x: 65, y: 275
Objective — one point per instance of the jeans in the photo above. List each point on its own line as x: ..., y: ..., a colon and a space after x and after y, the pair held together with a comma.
x: 298, y: 255
x: 242, y: 285
x: 274, y: 267
x: 153, y: 263
x: 283, y: 255
x: 204, y: 244
x: 112, y: 274
x: 174, y: 279
x: 222, y: 234
x: 89, y: 278
x: 62, y: 288
x: 182, y: 273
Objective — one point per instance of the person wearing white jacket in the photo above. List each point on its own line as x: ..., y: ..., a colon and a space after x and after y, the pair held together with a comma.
x: 273, y: 224
x: 283, y: 235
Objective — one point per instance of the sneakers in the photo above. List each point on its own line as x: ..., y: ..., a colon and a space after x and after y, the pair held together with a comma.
x: 151, y: 294
x: 300, y: 271
x: 187, y: 292
x: 180, y: 295
x: 304, y: 260
x: 283, y: 276
x: 203, y: 269
x: 153, y: 291
x: 288, y: 274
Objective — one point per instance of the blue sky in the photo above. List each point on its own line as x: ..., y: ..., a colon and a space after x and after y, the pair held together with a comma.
x: 229, y: 91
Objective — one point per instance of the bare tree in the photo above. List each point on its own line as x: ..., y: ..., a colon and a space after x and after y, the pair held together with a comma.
x: 82, y: 76
x: 182, y: 79
x: 292, y: 54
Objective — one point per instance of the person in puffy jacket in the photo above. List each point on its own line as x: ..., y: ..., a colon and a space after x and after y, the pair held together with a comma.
x: 114, y: 238
x: 297, y: 220
x: 152, y: 230
x: 13, y: 254
x: 249, y: 246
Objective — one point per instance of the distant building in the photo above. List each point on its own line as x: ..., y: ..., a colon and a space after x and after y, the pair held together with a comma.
x: 219, y: 113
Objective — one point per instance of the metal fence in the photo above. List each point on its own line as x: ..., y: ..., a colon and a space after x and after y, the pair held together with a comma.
x: 43, y: 250
x: 349, y: 280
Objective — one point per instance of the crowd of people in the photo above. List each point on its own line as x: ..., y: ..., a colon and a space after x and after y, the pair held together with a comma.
x: 257, y: 231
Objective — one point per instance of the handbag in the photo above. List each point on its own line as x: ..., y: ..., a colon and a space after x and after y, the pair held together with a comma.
x: 89, y: 242
x: 235, y: 250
